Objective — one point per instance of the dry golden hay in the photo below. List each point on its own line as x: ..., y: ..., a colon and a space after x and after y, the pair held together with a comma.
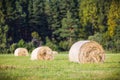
x: 55, y: 52
x: 21, y: 52
x: 86, y: 52
x: 42, y: 53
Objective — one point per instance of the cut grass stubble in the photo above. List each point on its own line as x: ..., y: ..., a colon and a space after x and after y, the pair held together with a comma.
x: 22, y: 68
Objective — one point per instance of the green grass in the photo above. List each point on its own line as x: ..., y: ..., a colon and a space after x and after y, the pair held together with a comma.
x: 22, y: 68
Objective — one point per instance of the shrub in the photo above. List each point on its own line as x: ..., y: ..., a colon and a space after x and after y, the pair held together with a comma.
x: 21, y: 43
x: 96, y: 37
x: 64, y: 45
x: 13, y: 47
x: 116, y: 39
x: 51, y: 44
x: 30, y: 46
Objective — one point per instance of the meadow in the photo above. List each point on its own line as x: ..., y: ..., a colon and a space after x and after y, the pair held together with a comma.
x: 22, y: 68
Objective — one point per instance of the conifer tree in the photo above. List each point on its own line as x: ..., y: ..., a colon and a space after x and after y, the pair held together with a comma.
x: 3, y: 33
x: 69, y: 28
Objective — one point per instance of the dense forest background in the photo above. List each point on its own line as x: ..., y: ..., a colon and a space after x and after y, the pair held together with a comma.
x: 58, y: 23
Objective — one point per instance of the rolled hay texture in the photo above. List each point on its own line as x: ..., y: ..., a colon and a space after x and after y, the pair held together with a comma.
x: 86, y: 52
x: 21, y: 52
x: 55, y: 52
x: 42, y: 53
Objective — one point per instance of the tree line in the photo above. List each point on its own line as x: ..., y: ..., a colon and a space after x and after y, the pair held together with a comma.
x: 58, y: 23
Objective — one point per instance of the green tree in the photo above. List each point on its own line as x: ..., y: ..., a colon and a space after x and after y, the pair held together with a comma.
x: 16, y: 17
x: 69, y: 30
x: 37, y: 17
x: 53, y: 18
x: 69, y: 5
x: 3, y: 33
x: 113, y: 16
x: 88, y: 14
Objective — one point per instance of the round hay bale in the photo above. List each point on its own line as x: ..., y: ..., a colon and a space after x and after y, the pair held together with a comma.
x: 55, y: 52
x: 86, y: 52
x: 21, y: 52
x: 42, y: 53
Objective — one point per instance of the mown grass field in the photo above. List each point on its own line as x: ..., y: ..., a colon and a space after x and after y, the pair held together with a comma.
x: 22, y: 68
